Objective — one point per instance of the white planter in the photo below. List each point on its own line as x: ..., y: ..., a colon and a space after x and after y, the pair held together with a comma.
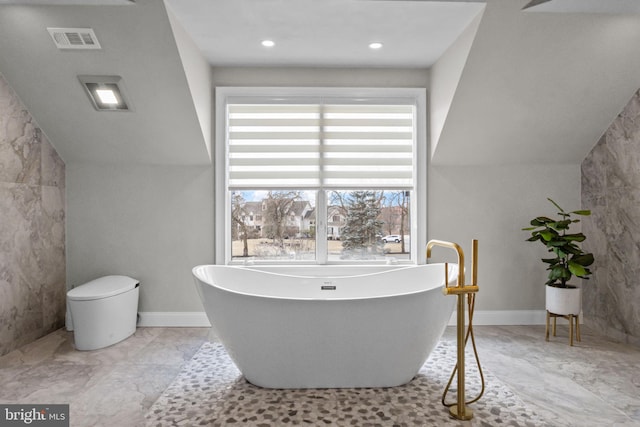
x: 564, y: 301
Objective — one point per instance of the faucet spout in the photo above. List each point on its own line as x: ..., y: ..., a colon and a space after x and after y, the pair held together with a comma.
x: 459, y: 252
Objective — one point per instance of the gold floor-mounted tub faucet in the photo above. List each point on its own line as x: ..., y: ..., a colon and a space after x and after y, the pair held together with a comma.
x: 459, y: 410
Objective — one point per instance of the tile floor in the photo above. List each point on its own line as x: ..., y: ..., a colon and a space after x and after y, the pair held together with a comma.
x: 594, y: 383
x: 109, y: 387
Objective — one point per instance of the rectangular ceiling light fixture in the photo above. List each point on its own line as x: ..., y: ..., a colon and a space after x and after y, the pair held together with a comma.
x: 106, y: 92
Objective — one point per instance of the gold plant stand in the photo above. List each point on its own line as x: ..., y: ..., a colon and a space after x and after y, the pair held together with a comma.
x: 571, y: 318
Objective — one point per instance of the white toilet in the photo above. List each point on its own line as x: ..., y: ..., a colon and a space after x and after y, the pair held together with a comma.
x: 103, y: 311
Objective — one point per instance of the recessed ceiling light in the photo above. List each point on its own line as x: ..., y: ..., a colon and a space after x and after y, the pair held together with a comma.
x: 375, y: 45
x: 268, y: 43
x: 107, y: 96
x: 106, y: 92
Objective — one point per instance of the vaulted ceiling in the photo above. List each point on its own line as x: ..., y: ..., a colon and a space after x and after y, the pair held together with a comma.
x: 540, y: 87
x: 533, y: 86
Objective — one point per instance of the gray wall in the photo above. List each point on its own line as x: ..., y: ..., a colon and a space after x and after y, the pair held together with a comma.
x: 156, y: 222
x: 32, y: 228
x: 611, y: 189
x: 150, y: 222
x: 492, y: 203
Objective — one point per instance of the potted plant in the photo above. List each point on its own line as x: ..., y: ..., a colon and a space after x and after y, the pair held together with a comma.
x: 569, y: 259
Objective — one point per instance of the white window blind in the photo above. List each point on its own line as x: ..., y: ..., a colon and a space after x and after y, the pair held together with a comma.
x: 320, y: 145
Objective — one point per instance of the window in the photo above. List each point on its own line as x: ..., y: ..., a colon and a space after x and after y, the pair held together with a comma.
x: 330, y: 172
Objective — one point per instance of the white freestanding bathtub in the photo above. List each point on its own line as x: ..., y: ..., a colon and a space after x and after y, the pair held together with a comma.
x: 328, y: 326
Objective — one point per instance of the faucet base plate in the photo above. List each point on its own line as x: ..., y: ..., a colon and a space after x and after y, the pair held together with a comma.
x: 467, y: 413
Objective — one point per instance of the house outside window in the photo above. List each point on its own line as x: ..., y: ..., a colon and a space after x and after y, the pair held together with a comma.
x: 330, y: 172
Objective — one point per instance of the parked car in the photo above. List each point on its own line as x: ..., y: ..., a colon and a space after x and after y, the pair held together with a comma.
x: 392, y: 238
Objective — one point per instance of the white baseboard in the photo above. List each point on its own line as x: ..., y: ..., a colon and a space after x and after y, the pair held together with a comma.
x: 193, y: 319
x: 177, y: 319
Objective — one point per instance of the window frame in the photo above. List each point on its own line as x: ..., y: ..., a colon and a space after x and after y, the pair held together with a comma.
x: 222, y: 198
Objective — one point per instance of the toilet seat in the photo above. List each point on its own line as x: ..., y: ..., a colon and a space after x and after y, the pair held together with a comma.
x: 103, y: 287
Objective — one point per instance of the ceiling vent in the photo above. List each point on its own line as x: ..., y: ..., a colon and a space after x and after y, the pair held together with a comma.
x: 74, y: 38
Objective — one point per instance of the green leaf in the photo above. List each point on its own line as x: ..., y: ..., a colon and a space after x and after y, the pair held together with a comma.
x: 560, y: 225
x: 583, y: 212
x: 572, y: 249
x: 540, y: 221
x: 584, y: 260
x: 529, y: 228
x: 554, y: 275
x: 559, y: 252
x: 547, y: 235
x: 552, y: 261
x: 576, y: 269
x: 578, y: 237
x: 559, y: 272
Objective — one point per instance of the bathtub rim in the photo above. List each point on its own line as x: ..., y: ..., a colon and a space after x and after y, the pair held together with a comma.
x: 452, y: 280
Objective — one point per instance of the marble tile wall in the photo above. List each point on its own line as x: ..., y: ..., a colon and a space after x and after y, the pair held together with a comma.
x: 32, y: 228
x: 611, y: 189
